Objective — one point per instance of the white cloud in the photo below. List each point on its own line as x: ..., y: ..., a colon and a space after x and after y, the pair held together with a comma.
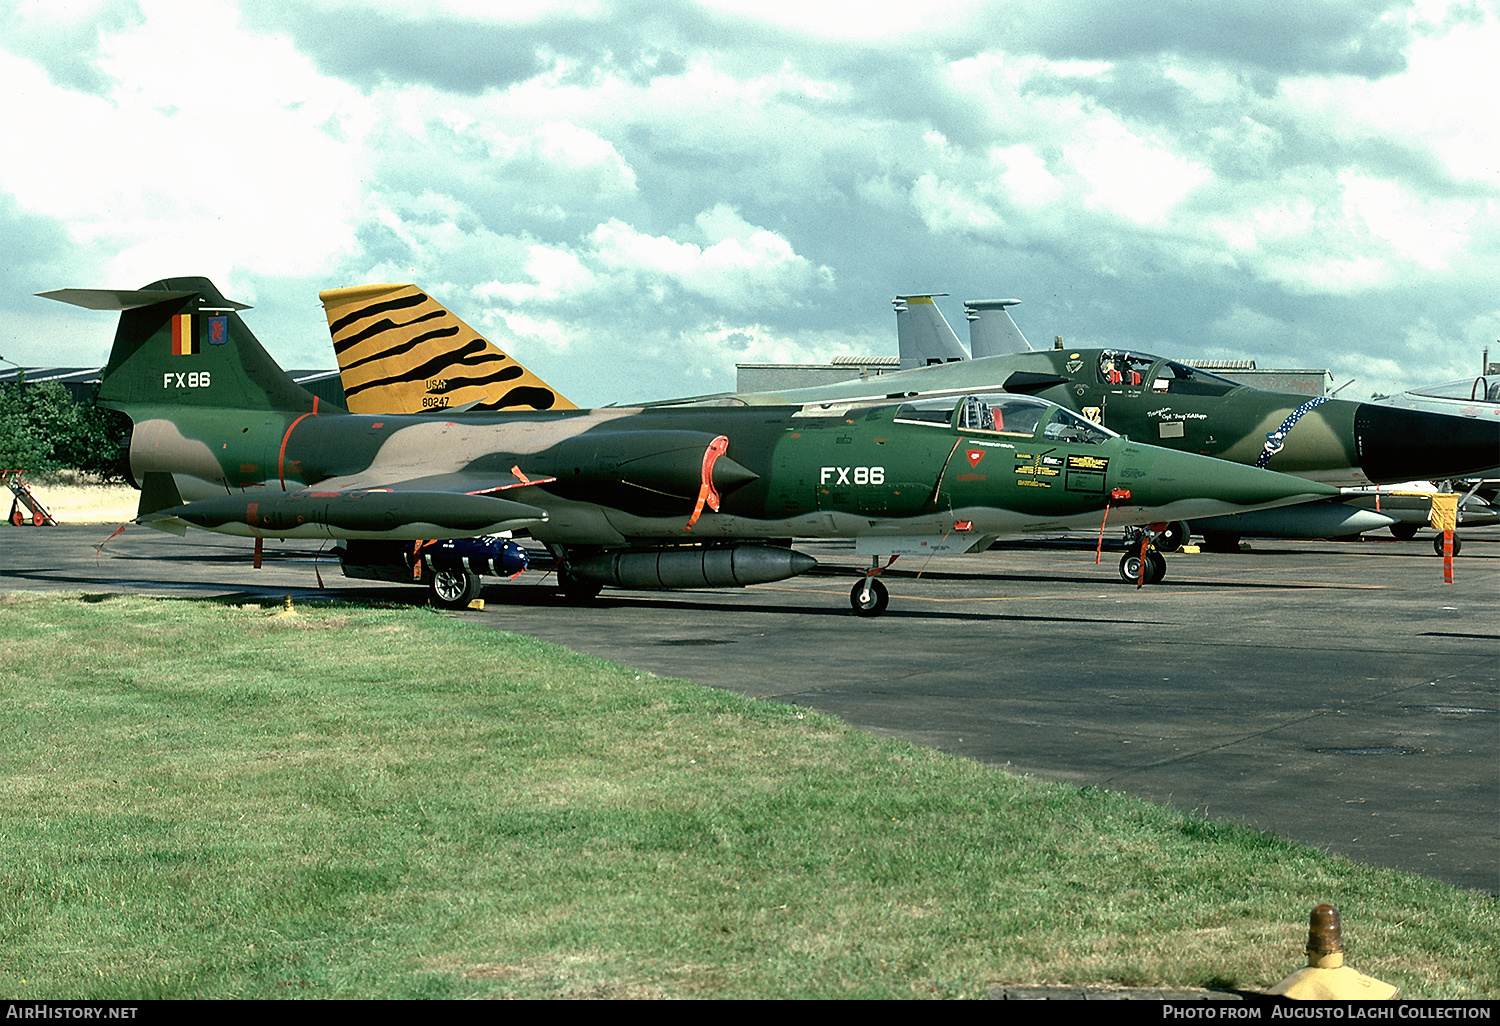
x: 1425, y: 232
x: 742, y: 266
x: 874, y: 22
x: 949, y: 207
x: 1444, y: 102
x: 555, y: 274
x: 180, y: 164
x: 1138, y: 178
x: 1025, y: 177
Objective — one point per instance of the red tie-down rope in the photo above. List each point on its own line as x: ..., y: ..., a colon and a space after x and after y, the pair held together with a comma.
x: 1118, y: 495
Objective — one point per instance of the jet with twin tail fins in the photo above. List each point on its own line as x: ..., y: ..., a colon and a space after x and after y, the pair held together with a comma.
x: 1170, y: 404
x: 225, y: 441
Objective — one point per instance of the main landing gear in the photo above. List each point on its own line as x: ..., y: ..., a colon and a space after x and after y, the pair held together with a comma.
x: 453, y: 588
x: 1174, y: 536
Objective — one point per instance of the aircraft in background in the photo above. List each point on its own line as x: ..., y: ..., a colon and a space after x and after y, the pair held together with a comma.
x: 400, y: 351
x: 1404, y: 509
x: 224, y: 441
x: 1355, y: 445
x: 1350, y: 444
x: 924, y: 337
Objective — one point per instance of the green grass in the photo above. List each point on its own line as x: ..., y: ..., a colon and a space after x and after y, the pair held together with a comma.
x: 209, y: 801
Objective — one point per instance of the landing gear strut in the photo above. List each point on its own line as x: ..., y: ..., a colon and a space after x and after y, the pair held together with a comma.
x: 869, y: 597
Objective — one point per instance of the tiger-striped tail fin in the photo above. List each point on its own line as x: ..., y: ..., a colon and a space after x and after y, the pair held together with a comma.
x: 401, y: 351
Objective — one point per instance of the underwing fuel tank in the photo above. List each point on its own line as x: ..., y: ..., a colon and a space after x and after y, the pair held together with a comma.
x: 1327, y: 519
x: 731, y: 567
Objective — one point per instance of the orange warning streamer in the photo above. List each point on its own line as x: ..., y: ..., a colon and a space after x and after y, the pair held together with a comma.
x: 707, y: 493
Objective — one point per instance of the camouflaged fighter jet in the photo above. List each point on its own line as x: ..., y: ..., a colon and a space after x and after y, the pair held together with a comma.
x: 1338, y: 441
x: 225, y: 441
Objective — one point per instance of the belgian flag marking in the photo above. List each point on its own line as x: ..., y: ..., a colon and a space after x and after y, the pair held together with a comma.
x: 184, y: 340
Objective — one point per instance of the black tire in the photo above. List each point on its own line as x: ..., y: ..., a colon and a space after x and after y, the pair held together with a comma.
x: 1404, y: 532
x: 1221, y: 541
x: 1156, y: 567
x: 1174, y: 537
x: 871, y: 602
x: 1437, y: 544
x: 1130, y: 567
x: 454, y: 589
x: 578, y: 589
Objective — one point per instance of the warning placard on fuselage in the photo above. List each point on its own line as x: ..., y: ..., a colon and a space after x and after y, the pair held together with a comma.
x: 1085, y: 473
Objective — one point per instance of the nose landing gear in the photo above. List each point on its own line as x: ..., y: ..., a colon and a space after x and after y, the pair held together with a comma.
x: 869, y: 597
x: 1144, y: 564
x: 1155, y: 567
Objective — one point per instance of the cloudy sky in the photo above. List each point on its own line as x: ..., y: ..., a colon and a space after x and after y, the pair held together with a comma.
x: 633, y: 197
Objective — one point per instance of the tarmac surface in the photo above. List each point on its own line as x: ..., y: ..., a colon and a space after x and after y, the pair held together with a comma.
x: 1336, y: 693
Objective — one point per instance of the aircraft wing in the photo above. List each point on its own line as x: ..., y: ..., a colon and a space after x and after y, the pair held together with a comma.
x: 440, y: 506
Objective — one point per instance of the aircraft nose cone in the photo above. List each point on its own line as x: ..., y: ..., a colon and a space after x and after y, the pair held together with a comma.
x: 729, y: 475
x: 1411, y: 445
x: 1165, y: 476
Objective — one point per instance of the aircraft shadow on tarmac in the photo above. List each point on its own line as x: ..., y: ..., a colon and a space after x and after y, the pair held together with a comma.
x: 526, y: 595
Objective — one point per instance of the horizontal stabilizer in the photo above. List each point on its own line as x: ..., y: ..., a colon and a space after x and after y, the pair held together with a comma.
x: 126, y: 299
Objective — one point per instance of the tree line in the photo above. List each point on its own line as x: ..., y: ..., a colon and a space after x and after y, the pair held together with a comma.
x: 42, y: 428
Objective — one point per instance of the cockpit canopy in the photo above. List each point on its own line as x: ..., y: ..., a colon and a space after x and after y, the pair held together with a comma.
x: 1480, y: 389
x: 1005, y: 415
x: 1119, y: 367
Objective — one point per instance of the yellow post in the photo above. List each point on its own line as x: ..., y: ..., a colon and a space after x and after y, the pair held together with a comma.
x: 1326, y: 977
x: 1444, y: 517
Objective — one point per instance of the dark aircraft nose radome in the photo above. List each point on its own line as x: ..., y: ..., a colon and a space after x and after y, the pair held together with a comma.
x: 1395, y: 445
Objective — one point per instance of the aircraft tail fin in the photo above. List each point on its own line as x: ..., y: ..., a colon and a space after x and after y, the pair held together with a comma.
x: 181, y: 343
x: 923, y: 334
x: 991, y: 330
x: 401, y: 351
